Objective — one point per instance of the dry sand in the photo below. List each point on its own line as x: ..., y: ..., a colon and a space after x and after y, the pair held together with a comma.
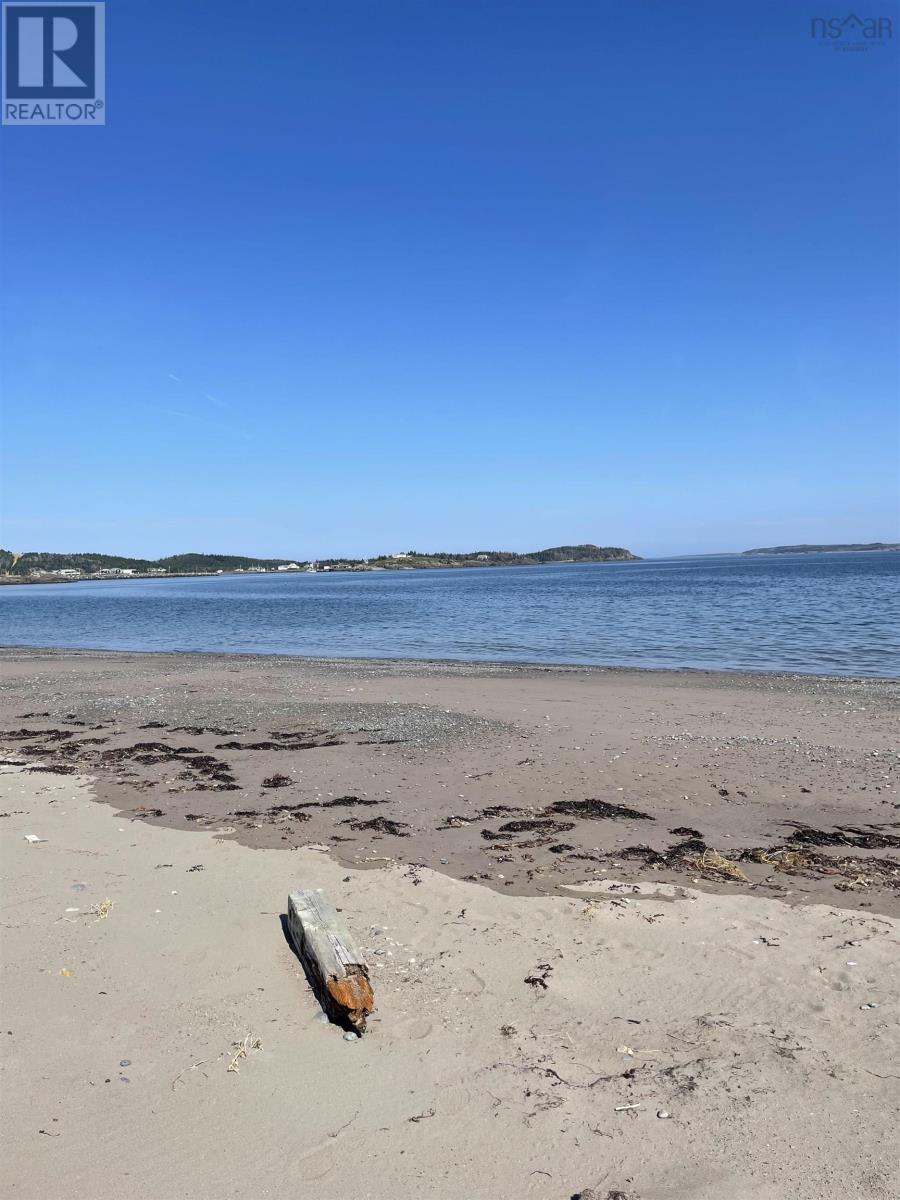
x: 766, y: 1031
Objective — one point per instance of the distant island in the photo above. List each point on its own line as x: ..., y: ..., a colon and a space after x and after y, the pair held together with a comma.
x: 850, y: 546
x: 40, y: 566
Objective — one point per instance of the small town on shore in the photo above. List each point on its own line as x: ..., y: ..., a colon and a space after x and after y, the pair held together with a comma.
x: 63, y: 574
x: 40, y: 567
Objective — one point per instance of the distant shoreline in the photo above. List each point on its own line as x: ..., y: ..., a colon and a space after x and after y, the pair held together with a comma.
x: 521, y: 561
x: 47, y: 565
x: 145, y: 578
x: 849, y: 548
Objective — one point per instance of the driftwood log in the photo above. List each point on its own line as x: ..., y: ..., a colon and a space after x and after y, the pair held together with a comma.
x: 331, y: 958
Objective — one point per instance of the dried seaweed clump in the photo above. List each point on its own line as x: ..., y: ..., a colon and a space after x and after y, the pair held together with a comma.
x: 711, y: 862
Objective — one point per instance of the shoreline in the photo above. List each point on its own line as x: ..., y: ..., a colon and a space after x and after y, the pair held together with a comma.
x: 458, y: 666
x: 529, y: 778
x: 304, y: 568
x: 334, y: 567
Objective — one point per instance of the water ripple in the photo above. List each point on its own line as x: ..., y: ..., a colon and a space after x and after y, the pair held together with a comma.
x: 818, y: 613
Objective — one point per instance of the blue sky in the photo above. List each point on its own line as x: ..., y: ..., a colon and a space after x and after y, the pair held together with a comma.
x: 346, y: 278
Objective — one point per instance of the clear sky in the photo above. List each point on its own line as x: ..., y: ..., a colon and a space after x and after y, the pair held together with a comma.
x: 342, y: 278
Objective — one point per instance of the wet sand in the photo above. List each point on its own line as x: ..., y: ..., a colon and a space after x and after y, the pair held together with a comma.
x: 523, y: 779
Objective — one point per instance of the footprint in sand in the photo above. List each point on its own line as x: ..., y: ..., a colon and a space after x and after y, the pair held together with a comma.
x: 414, y: 1029
x: 470, y: 983
x: 454, y: 1099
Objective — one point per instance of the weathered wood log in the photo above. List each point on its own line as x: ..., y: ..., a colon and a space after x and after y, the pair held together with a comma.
x: 331, y: 958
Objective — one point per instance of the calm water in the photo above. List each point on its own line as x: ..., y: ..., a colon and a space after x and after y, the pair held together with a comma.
x: 821, y: 613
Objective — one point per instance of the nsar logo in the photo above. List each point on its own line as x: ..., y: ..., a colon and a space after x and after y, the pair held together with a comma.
x: 53, y: 64
x: 851, y: 32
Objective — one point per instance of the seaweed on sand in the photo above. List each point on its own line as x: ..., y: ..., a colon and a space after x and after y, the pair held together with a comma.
x: 535, y: 825
x: 46, y: 735
x: 348, y: 802
x: 598, y: 810
x: 843, y: 835
x: 379, y: 825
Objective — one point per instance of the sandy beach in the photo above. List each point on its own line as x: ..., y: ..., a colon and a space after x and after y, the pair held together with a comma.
x: 524, y: 779
x: 675, y: 977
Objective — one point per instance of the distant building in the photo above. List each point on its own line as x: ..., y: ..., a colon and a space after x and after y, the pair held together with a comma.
x: 289, y: 567
x: 114, y: 572
x: 67, y: 572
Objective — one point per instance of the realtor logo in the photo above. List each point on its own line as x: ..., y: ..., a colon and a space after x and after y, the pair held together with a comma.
x: 53, y: 64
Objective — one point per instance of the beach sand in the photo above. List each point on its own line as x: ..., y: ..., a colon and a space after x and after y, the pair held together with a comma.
x: 744, y: 1019
x: 523, y: 779
x: 537, y: 1008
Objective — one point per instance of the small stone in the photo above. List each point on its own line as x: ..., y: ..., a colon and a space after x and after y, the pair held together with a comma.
x: 322, y: 1018
x: 351, y: 1037
x: 124, y: 1062
x: 663, y: 1114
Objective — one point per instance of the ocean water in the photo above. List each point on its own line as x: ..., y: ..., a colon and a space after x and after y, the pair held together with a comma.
x: 816, y: 613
